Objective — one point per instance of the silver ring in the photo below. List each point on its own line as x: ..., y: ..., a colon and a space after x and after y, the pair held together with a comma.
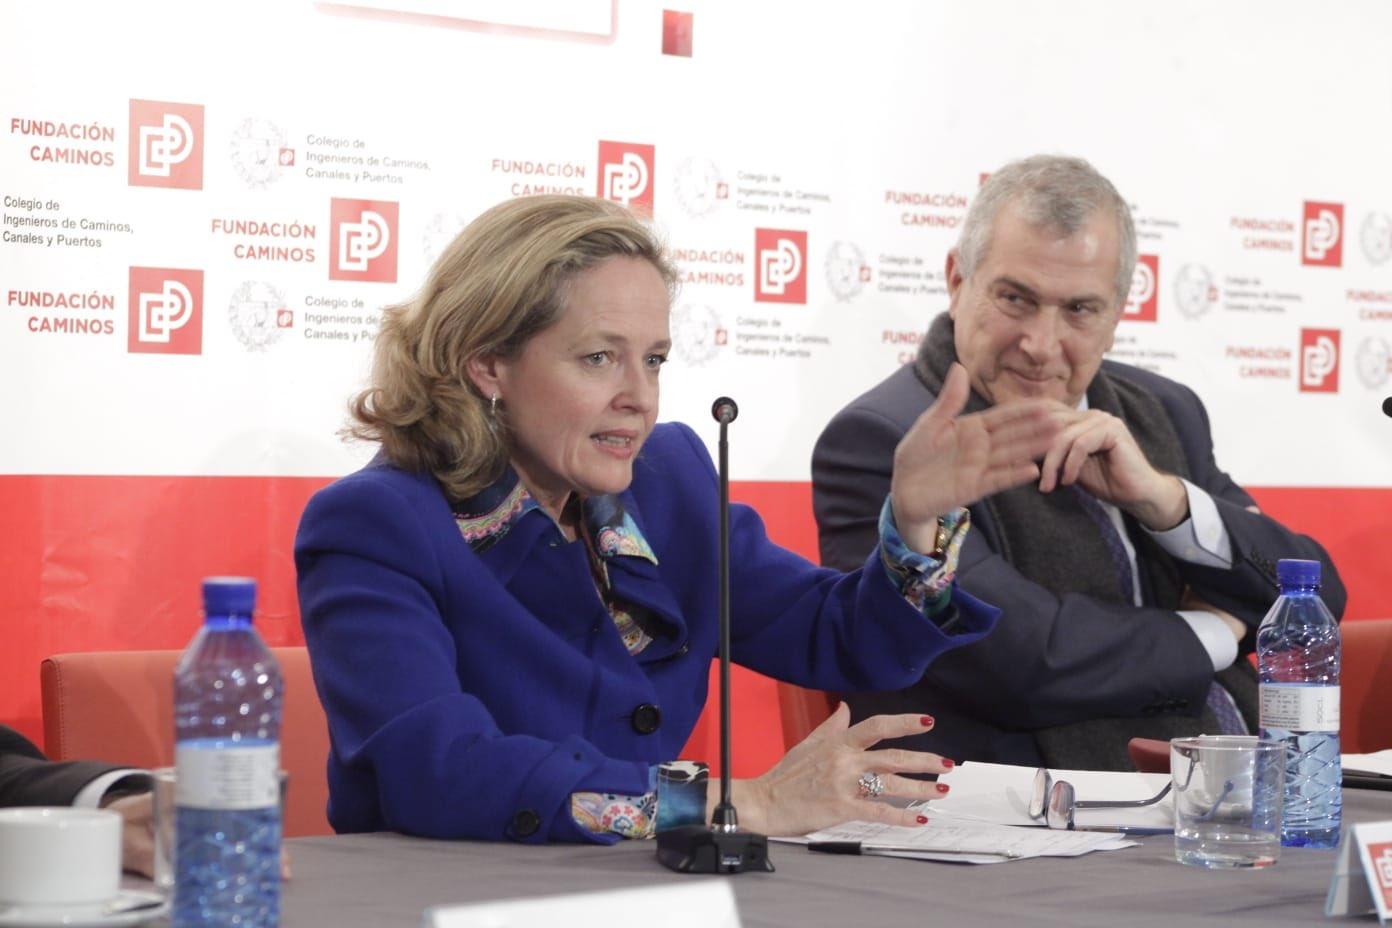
x: 870, y: 785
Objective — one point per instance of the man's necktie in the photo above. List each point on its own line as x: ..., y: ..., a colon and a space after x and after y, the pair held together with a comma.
x: 1111, y: 538
x: 1219, y: 700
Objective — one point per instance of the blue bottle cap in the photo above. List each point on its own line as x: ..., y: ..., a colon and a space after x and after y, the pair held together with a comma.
x: 229, y: 595
x: 1293, y: 572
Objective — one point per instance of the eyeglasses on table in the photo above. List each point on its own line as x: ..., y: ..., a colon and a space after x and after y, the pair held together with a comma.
x: 1055, y: 802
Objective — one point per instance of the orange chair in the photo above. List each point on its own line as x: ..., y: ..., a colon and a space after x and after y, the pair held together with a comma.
x: 1366, y: 682
x: 1149, y: 755
x: 802, y: 710
x: 119, y: 706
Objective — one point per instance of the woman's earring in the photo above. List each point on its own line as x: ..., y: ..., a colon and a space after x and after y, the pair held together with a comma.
x: 493, y: 405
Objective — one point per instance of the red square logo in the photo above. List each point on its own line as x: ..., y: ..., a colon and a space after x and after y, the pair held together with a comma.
x: 285, y: 318
x: 166, y: 145
x: 1322, y: 234
x: 1142, y: 304
x: 165, y: 311
x: 362, y: 240
x: 626, y: 174
x: 1381, y: 856
x: 676, y: 33
x: 1319, y: 360
x: 780, y: 266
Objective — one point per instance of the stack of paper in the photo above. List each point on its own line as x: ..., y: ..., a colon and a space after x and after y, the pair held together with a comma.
x: 1372, y: 765
x: 1370, y: 771
x: 961, y: 840
x: 985, y: 818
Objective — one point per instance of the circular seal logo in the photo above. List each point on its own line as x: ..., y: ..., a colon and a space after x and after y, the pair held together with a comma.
x: 438, y: 233
x: 1194, y: 292
x: 256, y: 314
x: 699, y: 186
x: 696, y: 333
x: 255, y: 149
x: 1373, y: 359
x: 1376, y: 238
x: 846, y: 271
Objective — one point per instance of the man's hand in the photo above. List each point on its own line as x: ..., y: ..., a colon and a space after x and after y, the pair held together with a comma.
x: 947, y: 460
x: 1095, y: 450
x: 138, y: 835
x: 137, y: 832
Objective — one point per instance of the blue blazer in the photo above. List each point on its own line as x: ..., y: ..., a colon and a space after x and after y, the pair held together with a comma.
x: 469, y: 694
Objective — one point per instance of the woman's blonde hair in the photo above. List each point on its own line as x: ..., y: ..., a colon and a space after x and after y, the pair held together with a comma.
x: 501, y: 281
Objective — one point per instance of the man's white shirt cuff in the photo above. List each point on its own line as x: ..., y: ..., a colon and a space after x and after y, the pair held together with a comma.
x: 1202, y: 538
x: 1214, y: 635
x: 91, y: 795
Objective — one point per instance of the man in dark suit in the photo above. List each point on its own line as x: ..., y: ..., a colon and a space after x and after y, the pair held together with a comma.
x: 1133, y: 575
x: 27, y: 778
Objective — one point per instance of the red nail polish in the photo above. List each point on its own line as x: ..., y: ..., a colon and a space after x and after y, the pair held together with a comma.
x: 926, y: 720
x: 923, y: 820
x: 943, y: 787
x: 949, y: 764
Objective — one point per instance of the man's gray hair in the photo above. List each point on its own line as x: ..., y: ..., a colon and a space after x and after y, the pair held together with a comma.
x: 1055, y: 193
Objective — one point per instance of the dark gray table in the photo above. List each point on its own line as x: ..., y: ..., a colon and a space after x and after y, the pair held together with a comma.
x: 384, y: 880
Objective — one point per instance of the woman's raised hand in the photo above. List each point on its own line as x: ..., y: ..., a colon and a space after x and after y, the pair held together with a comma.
x: 947, y: 460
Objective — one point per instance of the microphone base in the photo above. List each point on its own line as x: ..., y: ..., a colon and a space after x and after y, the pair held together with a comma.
x: 701, y: 849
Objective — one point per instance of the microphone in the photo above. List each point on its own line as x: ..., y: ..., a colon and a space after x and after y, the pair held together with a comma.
x: 719, y: 847
x: 725, y: 411
x: 1386, y: 406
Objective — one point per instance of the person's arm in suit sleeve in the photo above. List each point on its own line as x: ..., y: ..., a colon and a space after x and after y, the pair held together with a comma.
x: 1051, y: 659
x: 1248, y: 587
x: 384, y: 665
x: 27, y: 778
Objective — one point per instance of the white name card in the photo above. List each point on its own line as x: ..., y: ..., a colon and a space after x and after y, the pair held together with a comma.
x: 1362, y: 882
x: 696, y: 904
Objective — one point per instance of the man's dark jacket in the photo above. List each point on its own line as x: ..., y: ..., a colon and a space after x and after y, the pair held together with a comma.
x: 27, y: 778
x: 1064, y: 669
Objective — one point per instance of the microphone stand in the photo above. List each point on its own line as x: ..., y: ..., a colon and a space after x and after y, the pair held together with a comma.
x: 720, y: 847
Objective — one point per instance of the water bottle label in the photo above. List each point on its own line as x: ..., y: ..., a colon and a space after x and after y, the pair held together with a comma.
x: 231, y: 778
x: 1296, y: 707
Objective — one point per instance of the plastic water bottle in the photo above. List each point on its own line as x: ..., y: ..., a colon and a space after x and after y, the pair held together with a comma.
x: 1298, y: 664
x: 227, y: 698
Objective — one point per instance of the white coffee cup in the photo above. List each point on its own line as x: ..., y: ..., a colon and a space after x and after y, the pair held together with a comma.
x: 59, y: 856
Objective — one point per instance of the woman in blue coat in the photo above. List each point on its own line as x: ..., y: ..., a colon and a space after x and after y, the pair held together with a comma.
x: 511, y: 611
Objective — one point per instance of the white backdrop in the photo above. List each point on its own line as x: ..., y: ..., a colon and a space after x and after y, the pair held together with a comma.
x: 867, y: 128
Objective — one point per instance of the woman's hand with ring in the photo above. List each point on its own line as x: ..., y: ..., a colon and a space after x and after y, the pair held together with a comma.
x: 829, y: 778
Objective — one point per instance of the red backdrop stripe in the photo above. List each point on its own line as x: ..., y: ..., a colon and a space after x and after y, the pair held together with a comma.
x: 98, y: 563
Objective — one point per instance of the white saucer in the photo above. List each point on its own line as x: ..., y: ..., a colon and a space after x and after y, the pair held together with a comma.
x: 129, y: 907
